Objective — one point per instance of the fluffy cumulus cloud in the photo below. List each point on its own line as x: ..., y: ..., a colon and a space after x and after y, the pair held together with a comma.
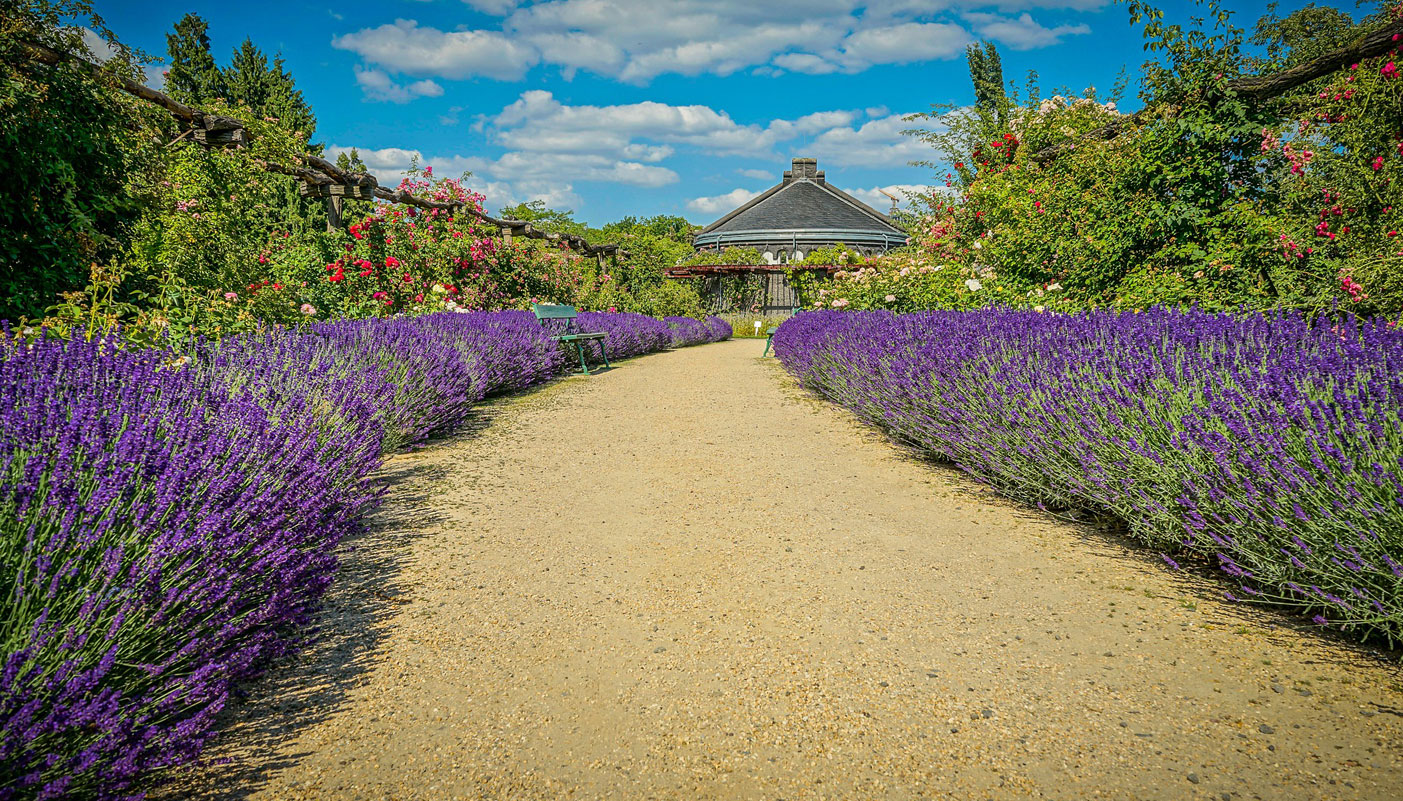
x: 405, y: 47
x: 875, y: 143
x: 651, y: 131
x: 720, y: 204
x: 880, y: 197
x: 902, y: 43
x: 637, y: 40
x: 1023, y: 32
x: 550, y: 147
x: 378, y: 86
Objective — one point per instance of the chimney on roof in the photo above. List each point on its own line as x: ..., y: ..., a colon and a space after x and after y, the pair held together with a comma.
x: 805, y: 169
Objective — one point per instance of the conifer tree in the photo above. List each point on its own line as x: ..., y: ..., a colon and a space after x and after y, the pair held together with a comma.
x: 193, y: 77
x: 987, y: 72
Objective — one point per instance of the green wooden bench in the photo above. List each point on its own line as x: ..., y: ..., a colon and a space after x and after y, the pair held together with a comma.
x: 770, y: 335
x: 560, y: 322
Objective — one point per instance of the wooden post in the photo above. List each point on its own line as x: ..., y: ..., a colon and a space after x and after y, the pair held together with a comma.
x: 507, y: 235
x: 333, y: 213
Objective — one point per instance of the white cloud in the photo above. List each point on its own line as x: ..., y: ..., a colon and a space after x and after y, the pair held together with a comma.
x: 385, y: 160
x: 539, y: 122
x: 720, y: 204
x: 807, y: 63
x: 903, y: 44
x: 518, y: 176
x: 99, y: 48
x: 155, y: 75
x: 876, y: 143
x: 405, y: 47
x: 378, y: 86
x: 425, y: 88
x: 1023, y: 33
x: 551, y: 147
x: 637, y: 40
x: 876, y: 196
x: 651, y: 131
x: 494, y: 7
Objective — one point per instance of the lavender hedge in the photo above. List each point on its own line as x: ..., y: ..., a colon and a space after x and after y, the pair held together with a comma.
x: 170, y: 520
x: 629, y: 334
x: 688, y: 331
x: 1268, y: 444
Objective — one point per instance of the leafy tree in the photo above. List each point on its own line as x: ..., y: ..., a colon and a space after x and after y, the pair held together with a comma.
x: 959, y: 130
x: 350, y: 162
x: 268, y: 90
x: 665, y: 226
x: 1304, y: 34
x: 547, y: 219
x: 1209, y: 197
x: 987, y: 73
x: 193, y: 76
x: 74, y: 146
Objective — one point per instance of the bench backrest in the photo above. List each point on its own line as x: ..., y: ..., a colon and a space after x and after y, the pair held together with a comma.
x: 556, y: 319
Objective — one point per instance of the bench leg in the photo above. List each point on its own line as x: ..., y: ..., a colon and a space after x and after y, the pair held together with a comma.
x: 584, y: 368
x: 768, y: 339
x: 604, y: 354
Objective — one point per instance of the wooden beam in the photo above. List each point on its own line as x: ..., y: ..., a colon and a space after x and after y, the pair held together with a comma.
x: 1261, y: 87
x: 45, y: 55
x: 333, y: 214
x: 321, y: 178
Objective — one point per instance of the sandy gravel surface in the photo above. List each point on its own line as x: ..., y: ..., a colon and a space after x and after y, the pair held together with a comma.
x: 686, y: 579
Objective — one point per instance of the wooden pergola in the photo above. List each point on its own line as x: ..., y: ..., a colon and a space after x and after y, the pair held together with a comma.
x: 713, y: 270
x: 319, y: 178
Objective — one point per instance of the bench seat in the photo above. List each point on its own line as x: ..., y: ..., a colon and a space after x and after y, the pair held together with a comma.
x: 560, y: 323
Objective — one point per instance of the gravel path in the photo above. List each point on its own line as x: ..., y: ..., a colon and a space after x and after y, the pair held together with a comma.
x: 685, y: 579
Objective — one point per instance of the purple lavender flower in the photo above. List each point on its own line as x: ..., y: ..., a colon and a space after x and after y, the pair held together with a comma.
x: 1257, y: 438
x: 174, y: 517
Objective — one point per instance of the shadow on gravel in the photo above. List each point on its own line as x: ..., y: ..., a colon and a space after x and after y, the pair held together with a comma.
x: 1198, y: 579
x: 305, y: 689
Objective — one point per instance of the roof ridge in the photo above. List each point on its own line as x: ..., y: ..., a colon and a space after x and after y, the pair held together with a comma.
x: 812, y: 205
x: 768, y: 193
x: 858, y: 204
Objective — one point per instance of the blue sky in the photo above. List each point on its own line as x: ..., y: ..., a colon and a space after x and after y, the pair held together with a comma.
x: 619, y: 107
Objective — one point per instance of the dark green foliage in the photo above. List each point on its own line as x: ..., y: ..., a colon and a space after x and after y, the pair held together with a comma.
x: 987, y: 72
x: 546, y: 219
x: 70, y: 147
x: 1305, y: 33
x: 267, y: 89
x: 351, y: 163
x: 1207, y: 197
x: 193, y: 77
x: 665, y: 226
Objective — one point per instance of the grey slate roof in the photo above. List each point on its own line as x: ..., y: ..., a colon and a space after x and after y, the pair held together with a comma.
x: 803, y: 200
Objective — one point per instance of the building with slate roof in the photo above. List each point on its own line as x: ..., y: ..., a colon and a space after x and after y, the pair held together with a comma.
x: 785, y: 223
x: 801, y: 212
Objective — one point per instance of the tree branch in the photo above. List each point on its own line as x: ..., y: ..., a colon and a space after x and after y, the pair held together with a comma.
x: 326, y: 172
x: 1254, y: 89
